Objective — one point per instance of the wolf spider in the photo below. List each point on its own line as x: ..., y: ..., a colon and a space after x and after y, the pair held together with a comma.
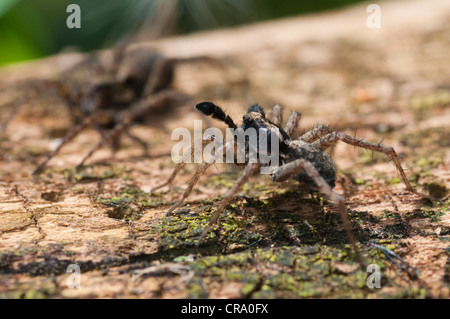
x: 133, y: 87
x: 303, y: 159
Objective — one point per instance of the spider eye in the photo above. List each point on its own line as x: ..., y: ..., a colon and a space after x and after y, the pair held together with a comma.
x: 248, y: 119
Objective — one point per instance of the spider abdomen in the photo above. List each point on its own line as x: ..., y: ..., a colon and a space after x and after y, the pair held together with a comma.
x: 322, y: 162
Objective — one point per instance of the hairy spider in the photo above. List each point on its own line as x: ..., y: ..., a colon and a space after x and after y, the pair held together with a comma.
x: 302, y: 159
x: 133, y: 87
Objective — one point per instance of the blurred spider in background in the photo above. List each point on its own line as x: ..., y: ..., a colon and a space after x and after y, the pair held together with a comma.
x: 111, y: 94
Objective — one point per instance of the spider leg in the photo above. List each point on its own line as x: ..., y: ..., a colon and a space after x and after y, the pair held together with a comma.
x: 198, y: 172
x: 277, y: 114
x: 69, y: 136
x: 138, y: 140
x: 162, y: 73
x: 293, y: 168
x: 179, y: 166
x: 331, y: 138
x: 153, y: 102
x: 118, y: 54
x: 170, y: 180
x: 315, y: 136
x: 315, y: 133
x: 103, y: 132
x: 114, y: 133
x: 125, y: 118
x: 249, y: 170
x: 292, y: 123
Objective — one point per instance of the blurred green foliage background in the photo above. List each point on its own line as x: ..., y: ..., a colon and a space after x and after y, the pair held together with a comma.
x: 31, y: 29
